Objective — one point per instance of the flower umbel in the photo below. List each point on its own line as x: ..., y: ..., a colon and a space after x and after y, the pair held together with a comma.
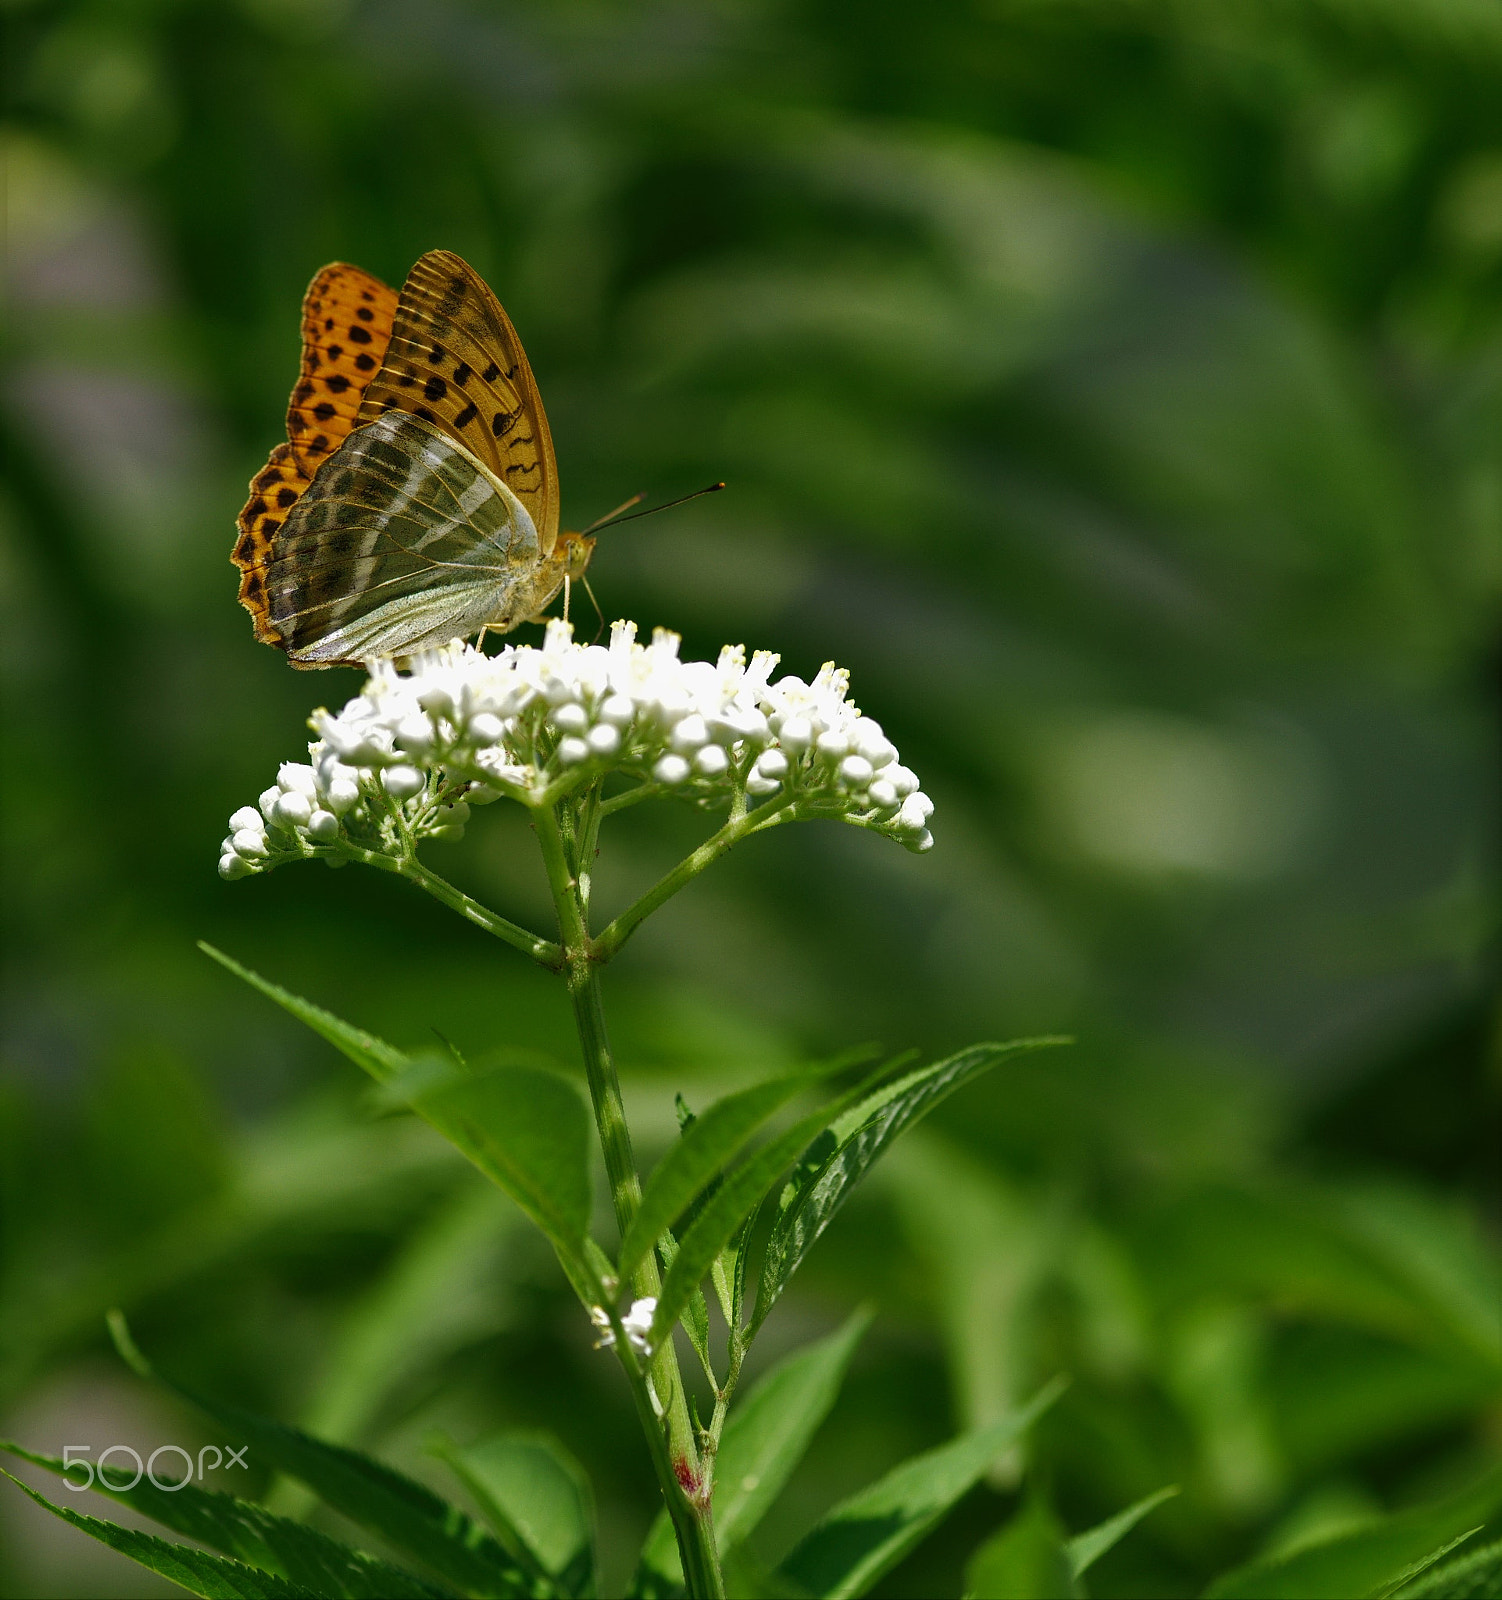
x: 407, y: 758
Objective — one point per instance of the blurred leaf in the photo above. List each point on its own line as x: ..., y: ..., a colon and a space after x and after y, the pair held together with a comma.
x: 252, y: 1534
x: 1026, y: 1560
x: 696, y: 1309
x: 870, y: 1532
x: 708, y: 1142
x: 370, y: 1054
x: 537, y: 1500
x: 398, y: 1510
x: 734, y: 1201
x: 211, y: 1576
x: 824, y: 1180
x: 1085, y: 1549
x: 1369, y: 1559
x: 1477, y: 1576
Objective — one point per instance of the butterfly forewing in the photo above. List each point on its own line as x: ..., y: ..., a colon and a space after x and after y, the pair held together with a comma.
x: 346, y: 324
x: 454, y: 360
x: 404, y: 540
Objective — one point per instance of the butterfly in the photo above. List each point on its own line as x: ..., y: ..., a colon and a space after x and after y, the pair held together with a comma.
x: 415, y: 500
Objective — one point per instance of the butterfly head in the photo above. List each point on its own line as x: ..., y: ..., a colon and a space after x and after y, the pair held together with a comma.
x: 575, y: 549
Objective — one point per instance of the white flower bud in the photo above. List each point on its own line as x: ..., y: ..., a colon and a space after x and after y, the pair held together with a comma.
x: 457, y: 813
x: 772, y: 764
x: 294, y: 777
x: 916, y: 810
x: 323, y: 826
x: 924, y: 841
x: 268, y: 800
x: 832, y: 743
x: 689, y: 734
x: 249, y: 843
x: 481, y: 794
x: 711, y: 761
x: 293, y: 809
x: 869, y: 741
x: 485, y: 729
x: 603, y: 739
x: 570, y: 717
x: 671, y: 770
x: 401, y: 783
x: 903, y: 779
x: 435, y: 699
x: 234, y: 866
x: 247, y: 817
x: 618, y: 710
x: 447, y: 833
x: 856, y: 771
x: 760, y: 784
x: 881, y: 794
x: 795, y: 735
x: 571, y: 751
x: 415, y: 735
x: 342, y: 794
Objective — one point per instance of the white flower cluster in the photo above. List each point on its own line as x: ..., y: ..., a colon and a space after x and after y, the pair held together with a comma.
x: 637, y: 1325
x: 407, y: 757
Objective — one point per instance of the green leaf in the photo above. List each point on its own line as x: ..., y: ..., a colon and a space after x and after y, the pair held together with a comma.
x: 1477, y: 1576
x: 372, y: 1055
x: 771, y: 1428
x: 525, y: 1128
x: 256, y: 1536
x: 829, y: 1173
x: 710, y: 1140
x: 214, y: 1577
x: 537, y: 1499
x: 400, y: 1511
x: 1366, y: 1560
x: 869, y: 1533
x: 1085, y: 1549
x: 1025, y: 1560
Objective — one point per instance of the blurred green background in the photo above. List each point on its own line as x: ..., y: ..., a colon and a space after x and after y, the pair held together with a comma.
x: 1115, y: 386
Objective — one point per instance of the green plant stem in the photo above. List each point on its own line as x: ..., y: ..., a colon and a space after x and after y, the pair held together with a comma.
x: 543, y: 951
x: 740, y: 827
x: 675, y: 1452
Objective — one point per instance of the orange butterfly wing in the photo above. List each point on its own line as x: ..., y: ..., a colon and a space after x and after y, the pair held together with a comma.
x: 346, y: 328
x: 455, y: 361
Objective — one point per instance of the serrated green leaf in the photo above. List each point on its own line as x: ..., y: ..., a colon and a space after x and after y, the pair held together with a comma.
x: 1476, y: 1576
x: 250, y: 1533
x: 372, y: 1055
x: 404, y: 1513
x: 829, y: 1172
x: 738, y: 1197
x: 214, y: 1577
x: 709, y: 1142
x: 869, y: 1533
x: 1024, y: 1560
x: 1085, y: 1549
x: 1367, y: 1560
x: 537, y: 1499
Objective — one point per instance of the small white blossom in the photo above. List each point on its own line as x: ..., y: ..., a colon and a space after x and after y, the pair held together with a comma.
x: 637, y: 1324
x: 398, y: 763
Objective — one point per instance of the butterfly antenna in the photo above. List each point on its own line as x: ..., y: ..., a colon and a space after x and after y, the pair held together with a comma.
x: 667, y: 505
x: 610, y: 516
x: 568, y: 584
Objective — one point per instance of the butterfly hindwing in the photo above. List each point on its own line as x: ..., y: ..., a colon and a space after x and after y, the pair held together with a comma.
x: 403, y: 540
x: 455, y: 361
x: 346, y: 325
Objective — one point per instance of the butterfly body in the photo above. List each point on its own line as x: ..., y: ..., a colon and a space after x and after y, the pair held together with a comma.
x: 416, y: 498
